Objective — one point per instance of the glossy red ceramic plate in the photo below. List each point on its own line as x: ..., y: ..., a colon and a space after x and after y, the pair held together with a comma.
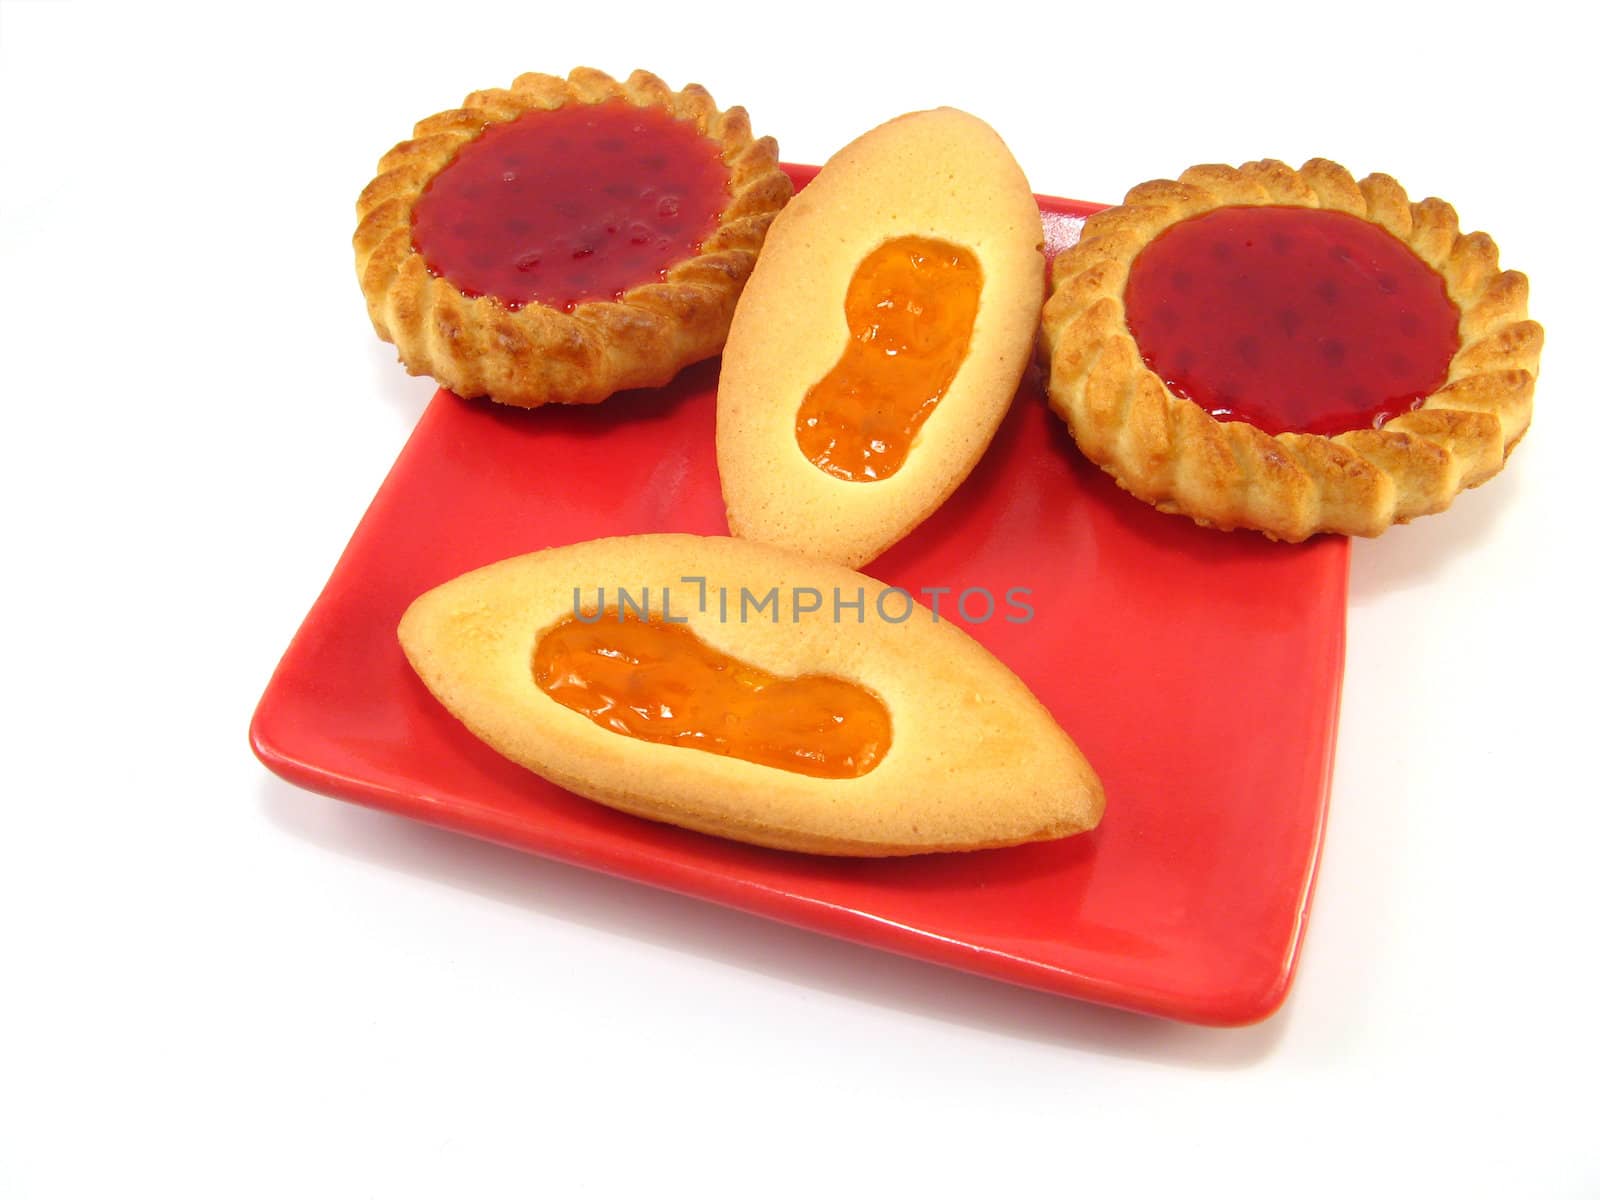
x: 1199, y: 671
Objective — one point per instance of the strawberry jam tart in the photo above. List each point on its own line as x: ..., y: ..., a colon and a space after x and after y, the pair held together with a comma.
x: 1289, y: 351
x: 563, y: 239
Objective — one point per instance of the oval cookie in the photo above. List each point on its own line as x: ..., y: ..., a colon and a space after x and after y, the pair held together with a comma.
x: 880, y: 339
x: 745, y: 691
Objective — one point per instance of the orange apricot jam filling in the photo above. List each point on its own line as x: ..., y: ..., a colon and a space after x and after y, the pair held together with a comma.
x: 658, y: 682
x: 910, y: 308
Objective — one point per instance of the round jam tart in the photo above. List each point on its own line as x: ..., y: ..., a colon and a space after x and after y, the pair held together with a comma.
x: 563, y: 239
x: 1289, y: 351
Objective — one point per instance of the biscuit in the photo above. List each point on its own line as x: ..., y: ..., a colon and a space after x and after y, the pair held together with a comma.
x: 1257, y: 453
x: 562, y: 239
x: 967, y: 759
x: 938, y: 186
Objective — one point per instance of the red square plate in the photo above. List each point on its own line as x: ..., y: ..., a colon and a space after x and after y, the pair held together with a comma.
x: 1199, y: 671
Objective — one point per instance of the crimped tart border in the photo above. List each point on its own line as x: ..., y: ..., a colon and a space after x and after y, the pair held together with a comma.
x: 1170, y: 452
x: 536, y: 354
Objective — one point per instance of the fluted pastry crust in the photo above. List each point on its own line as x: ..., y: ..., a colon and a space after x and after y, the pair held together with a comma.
x: 536, y: 354
x: 1170, y: 452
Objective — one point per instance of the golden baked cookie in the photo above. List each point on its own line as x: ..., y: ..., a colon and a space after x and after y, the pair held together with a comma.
x: 1289, y: 351
x: 745, y: 691
x: 563, y: 239
x: 881, y: 338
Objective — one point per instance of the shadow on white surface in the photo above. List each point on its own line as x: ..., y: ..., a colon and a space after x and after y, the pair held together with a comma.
x: 1413, y: 555
x: 752, y: 943
x: 406, y: 394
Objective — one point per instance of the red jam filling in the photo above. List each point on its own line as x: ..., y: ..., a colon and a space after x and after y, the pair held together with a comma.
x: 571, y: 204
x: 1293, y: 319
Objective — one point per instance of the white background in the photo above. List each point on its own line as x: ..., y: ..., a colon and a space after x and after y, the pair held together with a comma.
x: 212, y: 984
